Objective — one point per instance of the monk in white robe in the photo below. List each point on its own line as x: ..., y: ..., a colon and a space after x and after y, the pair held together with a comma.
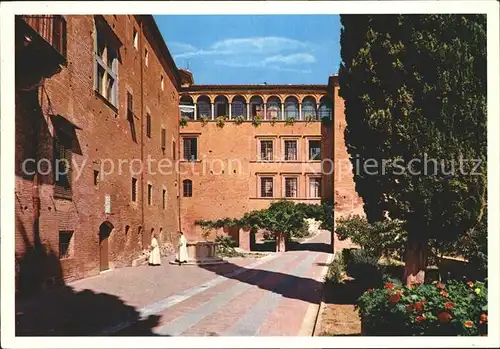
x: 154, y: 254
x: 182, y: 255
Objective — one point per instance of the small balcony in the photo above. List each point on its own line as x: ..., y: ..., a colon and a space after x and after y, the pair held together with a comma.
x: 51, y: 28
x: 40, y: 47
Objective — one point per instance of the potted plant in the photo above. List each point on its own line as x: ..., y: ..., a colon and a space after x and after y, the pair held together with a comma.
x: 309, y: 118
x: 183, y: 121
x: 290, y: 120
x: 273, y: 120
x: 220, y: 121
x: 204, y: 120
x: 257, y: 120
x: 239, y: 120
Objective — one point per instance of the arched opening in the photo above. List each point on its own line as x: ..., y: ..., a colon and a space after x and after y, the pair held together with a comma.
x: 187, y: 186
x: 292, y: 108
x: 161, y: 238
x: 221, y: 106
x: 105, y: 230
x: 148, y: 239
x: 238, y: 107
x: 325, y: 108
x: 127, y: 230
x: 203, y: 107
x: 273, y: 107
x: 309, y: 109
x: 187, y: 107
x: 256, y: 107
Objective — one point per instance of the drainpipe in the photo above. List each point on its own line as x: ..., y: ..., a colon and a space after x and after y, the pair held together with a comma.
x: 141, y: 45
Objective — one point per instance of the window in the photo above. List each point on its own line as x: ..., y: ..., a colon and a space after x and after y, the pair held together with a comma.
x: 290, y: 150
x: 291, y: 187
x: 96, y: 177
x: 314, y: 150
x: 190, y: 148
x: 266, y: 150
x: 62, y: 166
x: 187, y: 186
x: 164, y: 198
x: 162, y: 83
x: 136, y: 39
x: 163, y: 139
x: 148, y: 125
x: 106, y: 68
x: 314, y: 187
x: 174, y: 152
x: 65, y: 244
x: 146, y: 57
x: 266, y: 187
x: 150, y: 194
x: 130, y: 116
x: 134, y: 189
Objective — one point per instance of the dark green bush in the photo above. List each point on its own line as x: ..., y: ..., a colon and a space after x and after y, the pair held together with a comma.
x: 363, y: 267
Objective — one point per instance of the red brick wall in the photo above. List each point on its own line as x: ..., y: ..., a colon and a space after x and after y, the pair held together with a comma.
x: 104, y: 133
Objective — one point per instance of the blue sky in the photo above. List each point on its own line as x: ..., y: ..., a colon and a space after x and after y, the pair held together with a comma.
x: 241, y: 49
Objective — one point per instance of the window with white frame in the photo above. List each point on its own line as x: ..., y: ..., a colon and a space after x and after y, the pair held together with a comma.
x: 291, y: 187
x: 290, y: 148
x: 266, y: 150
x: 314, y: 149
x: 106, y: 66
x: 314, y: 187
x: 266, y: 187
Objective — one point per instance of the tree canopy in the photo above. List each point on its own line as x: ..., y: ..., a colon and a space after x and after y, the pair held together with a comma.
x: 415, y: 103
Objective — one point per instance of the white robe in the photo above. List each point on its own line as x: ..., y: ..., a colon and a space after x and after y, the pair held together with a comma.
x: 182, y: 255
x: 154, y: 255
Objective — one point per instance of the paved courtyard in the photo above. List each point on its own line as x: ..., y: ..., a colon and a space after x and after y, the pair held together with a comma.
x: 275, y: 295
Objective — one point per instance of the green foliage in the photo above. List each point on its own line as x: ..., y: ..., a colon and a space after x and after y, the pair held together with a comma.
x: 239, y: 120
x: 310, y: 117
x: 456, y: 308
x: 364, y: 268
x: 226, y: 246
x: 414, y: 87
x: 336, y: 270
x: 204, y: 120
x: 379, y: 239
x: 289, y: 121
x: 221, y: 121
x: 257, y: 120
x: 273, y: 120
x: 184, y: 121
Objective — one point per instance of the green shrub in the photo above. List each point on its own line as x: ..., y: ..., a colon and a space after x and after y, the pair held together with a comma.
x: 336, y: 271
x: 380, y: 238
x: 364, y: 268
x: 226, y: 246
x: 456, y: 308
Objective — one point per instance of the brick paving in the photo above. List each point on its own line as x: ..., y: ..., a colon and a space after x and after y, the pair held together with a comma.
x: 266, y: 296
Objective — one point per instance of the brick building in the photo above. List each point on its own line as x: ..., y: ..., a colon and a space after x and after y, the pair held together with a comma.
x: 104, y: 95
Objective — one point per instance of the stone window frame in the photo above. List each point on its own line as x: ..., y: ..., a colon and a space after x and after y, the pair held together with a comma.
x: 188, y: 182
x: 259, y: 147
x: 308, y: 146
x: 190, y: 136
x: 309, y: 194
x: 260, y: 177
x: 283, y: 184
x: 283, y: 150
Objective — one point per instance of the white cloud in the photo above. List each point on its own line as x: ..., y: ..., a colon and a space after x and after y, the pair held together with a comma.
x: 270, y: 52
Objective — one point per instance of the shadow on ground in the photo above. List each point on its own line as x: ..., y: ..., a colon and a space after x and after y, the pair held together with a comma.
x: 45, y: 306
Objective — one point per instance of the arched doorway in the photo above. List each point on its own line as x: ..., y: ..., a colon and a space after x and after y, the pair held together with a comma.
x: 104, y: 231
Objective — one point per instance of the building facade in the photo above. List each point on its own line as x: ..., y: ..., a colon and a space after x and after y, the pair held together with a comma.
x: 114, y: 142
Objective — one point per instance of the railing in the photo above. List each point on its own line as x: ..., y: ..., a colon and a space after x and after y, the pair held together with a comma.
x: 52, y: 28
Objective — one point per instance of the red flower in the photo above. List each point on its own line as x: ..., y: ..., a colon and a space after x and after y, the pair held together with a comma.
x: 395, y: 297
x: 470, y: 283
x: 468, y: 324
x: 444, y: 317
x: 483, y: 319
x: 448, y: 305
x: 410, y: 307
x: 420, y: 318
x: 389, y: 285
x: 440, y: 286
x: 419, y: 306
x: 444, y: 293
x: 370, y: 290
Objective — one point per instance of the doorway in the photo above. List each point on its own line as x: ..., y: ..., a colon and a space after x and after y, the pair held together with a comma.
x: 104, y: 232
